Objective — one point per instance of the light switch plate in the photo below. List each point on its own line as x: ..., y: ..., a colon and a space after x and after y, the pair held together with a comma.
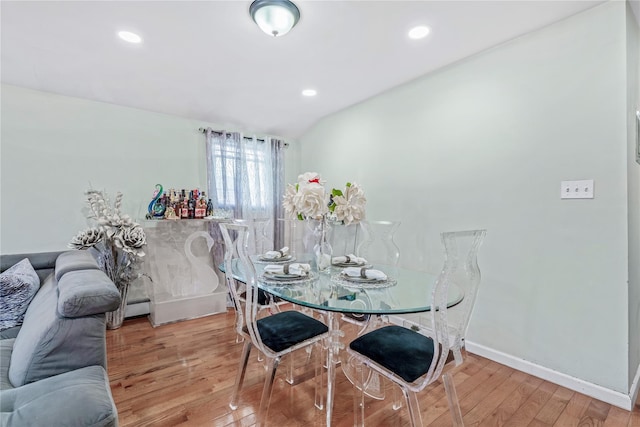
x: 576, y: 189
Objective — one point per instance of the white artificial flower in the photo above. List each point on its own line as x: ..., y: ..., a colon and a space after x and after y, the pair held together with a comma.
x: 87, y: 238
x: 288, y: 201
x: 350, y: 207
x: 309, y: 178
x: 310, y: 201
x: 131, y: 240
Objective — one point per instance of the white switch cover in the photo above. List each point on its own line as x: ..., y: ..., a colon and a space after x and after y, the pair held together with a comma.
x: 577, y: 189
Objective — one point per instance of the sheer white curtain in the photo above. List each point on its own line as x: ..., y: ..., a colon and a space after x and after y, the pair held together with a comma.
x: 246, y: 175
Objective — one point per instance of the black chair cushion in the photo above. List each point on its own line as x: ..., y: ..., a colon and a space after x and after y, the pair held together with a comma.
x: 357, y: 316
x: 263, y: 297
x: 404, y: 352
x: 288, y: 328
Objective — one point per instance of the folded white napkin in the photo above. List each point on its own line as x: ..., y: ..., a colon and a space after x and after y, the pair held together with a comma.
x: 295, y: 268
x: 277, y: 254
x: 365, y: 273
x: 351, y: 258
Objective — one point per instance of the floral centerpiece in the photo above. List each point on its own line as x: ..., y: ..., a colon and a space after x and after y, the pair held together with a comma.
x: 308, y: 200
x: 119, y: 242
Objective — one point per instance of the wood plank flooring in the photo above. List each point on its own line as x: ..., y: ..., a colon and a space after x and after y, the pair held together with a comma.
x: 182, y: 375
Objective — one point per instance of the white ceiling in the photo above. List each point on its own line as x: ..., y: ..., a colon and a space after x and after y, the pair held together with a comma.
x: 207, y: 60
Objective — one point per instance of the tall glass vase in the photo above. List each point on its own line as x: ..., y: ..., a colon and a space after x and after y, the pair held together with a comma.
x: 322, y: 248
x: 116, y: 317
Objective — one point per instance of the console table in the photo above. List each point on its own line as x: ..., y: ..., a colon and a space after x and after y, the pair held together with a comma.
x: 181, y: 261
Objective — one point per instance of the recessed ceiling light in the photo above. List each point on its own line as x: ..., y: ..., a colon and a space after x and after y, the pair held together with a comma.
x: 309, y: 92
x: 419, y: 32
x: 129, y: 37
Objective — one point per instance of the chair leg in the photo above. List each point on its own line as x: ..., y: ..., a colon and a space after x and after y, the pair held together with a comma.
x: 452, y: 397
x: 291, y: 365
x: 309, y: 350
x: 246, y: 349
x: 320, y: 389
x: 397, y: 398
x: 358, y: 395
x: 413, y: 406
x: 266, y: 391
x: 457, y: 356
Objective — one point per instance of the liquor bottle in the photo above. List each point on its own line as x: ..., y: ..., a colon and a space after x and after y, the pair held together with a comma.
x: 191, y: 205
x: 201, y: 207
x: 176, y: 207
x: 184, y: 211
x: 173, y: 202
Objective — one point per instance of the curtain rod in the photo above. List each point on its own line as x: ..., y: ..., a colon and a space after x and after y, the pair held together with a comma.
x: 204, y: 130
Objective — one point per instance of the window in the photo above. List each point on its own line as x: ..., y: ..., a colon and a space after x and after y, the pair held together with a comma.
x: 240, y: 171
x: 246, y: 176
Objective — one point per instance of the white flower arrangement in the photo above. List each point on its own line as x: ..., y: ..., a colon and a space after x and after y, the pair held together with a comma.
x: 119, y: 240
x: 307, y: 199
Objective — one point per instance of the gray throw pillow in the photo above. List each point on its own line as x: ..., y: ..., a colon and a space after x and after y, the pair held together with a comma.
x: 18, y: 285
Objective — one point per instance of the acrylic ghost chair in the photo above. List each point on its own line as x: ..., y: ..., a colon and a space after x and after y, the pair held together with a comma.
x: 256, y: 244
x: 414, y: 358
x: 237, y: 289
x: 259, y: 242
x: 275, y: 336
x: 376, y: 244
x: 259, y: 236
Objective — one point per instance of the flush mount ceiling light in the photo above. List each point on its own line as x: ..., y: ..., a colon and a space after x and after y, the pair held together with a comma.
x: 419, y: 32
x: 129, y: 37
x: 309, y: 92
x: 274, y: 17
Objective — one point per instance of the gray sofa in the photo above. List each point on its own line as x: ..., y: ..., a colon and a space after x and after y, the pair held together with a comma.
x: 53, y: 366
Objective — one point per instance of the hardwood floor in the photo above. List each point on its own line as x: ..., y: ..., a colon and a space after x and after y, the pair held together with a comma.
x: 182, y: 374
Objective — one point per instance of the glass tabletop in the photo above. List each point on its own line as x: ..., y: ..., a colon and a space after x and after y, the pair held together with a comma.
x: 408, y: 291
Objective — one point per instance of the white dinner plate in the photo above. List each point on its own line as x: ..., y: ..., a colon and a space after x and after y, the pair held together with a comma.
x: 358, y: 279
x: 280, y: 259
x: 357, y: 282
x: 349, y: 264
x: 282, y: 276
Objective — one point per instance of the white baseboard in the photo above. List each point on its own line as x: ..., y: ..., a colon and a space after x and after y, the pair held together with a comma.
x: 611, y: 397
x: 633, y: 393
x: 136, y: 309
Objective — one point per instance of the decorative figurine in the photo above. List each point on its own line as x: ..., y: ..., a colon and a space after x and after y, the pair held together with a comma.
x: 157, y: 208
